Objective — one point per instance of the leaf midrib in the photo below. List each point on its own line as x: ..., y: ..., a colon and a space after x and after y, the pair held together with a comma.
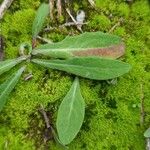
x: 82, y: 67
x: 8, y: 86
x: 44, y: 50
x: 7, y: 65
x: 71, y: 106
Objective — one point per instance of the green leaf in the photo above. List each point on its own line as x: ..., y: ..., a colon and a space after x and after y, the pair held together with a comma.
x: 89, y: 67
x: 70, y: 114
x: 57, y: 140
x: 147, y: 133
x: 86, y: 44
x: 8, y: 64
x: 39, y: 20
x: 8, y: 86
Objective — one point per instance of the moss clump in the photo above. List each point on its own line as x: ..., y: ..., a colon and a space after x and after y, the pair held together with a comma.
x: 16, y: 30
x: 120, y: 31
x: 140, y: 10
x: 99, y: 22
x: 123, y: 10
x: 112, y: 119
x: 14, y: 141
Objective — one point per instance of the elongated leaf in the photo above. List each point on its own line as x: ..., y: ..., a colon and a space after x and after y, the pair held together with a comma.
x: 70, y: 114
x: 8, y: 64
x: 88, y: 67
x: 8, y: 86
x: 39, y: 20
x: 86, y: 44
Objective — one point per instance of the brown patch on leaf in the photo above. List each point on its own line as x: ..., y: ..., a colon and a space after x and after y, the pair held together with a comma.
x: 114, y: 51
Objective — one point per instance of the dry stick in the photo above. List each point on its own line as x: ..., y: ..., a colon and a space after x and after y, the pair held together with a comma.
x: 59, y: 8
x: 50, y: 127
x: 51, y: 5
x: 68, y: 11
x: 67, y: 24
x: 4, y: 6
x: 142, y: 114
x: 116, y: 25
x: 147, y: 143
x: 44, y: 39
x: 92, y: 2
x: 142, y: 105
x: 72, y: 24
x: 1, y: 47
x: 28, y: 76
x: 45, y: 117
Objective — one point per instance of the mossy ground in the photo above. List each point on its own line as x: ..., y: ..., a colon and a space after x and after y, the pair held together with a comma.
x: 113, y: 109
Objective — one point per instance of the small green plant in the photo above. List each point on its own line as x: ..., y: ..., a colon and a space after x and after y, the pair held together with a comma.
x: 82, y: 55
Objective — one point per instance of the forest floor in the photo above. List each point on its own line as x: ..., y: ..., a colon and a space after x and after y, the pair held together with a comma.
x: 117, y: 113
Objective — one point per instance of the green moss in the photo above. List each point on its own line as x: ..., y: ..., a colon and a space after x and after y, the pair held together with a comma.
x: 13, y: 141
x: 112, y: 119
x: 16, y: 30
x: 29, y: 3
x: 140, y: 10
x: 99, y: 22
x: 56, y: 36
x: 106, y: 5
x: 123, y: 10
x: 120, y: 31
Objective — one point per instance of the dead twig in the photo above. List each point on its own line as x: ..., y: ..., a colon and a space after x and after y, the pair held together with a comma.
x: 50, y: 129
x: 116, y: 25
x: 73, y: 19
x: 48, y: 133
x: 28, y: 76
x: 46, y: 119
x: 1, y: 47
x: 67, y: 24
x: 92, y: 3
x: 59, y: 8
x: 72, y: 24
x: 147, y: 143
x: 4, y: 6
x: 51, y: 5
x: 44, y: 39
x: 69, y: 13
x: 142, y: 106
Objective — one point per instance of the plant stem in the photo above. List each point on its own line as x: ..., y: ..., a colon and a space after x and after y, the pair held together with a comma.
x: 92, y: 3
x: 147, y: 143
x: 4, y: 6
x: 1, y: 47
x: 59, y: 8
x: 45, y: 117
x: 44, y: 39
x: 142, y: 105
x: 51, y: 5
x: 67, y: 24
x: 116, y: 25
x: 73, y: 19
